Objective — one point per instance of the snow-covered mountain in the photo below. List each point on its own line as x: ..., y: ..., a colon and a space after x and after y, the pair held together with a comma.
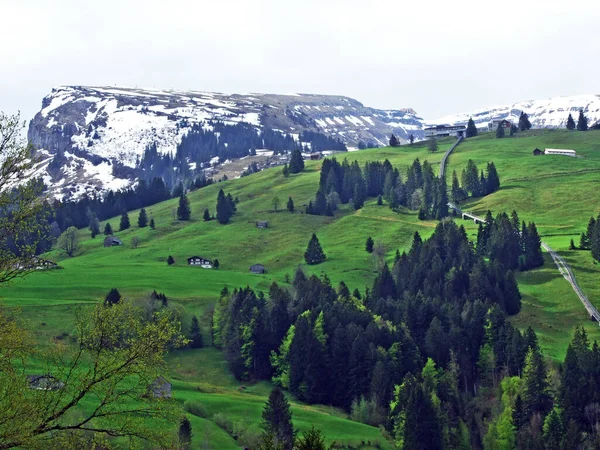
x: 548, y: 113
x: 92, y: 138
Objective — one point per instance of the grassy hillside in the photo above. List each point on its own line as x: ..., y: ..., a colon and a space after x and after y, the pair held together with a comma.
x: 557, y: 192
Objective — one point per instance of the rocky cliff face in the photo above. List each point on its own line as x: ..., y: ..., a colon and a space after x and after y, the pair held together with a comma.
x: 92, y: 138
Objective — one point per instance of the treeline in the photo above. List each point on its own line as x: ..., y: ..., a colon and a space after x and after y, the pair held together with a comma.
x: 83, y: 212
x: 590, y: 239
x: 429, y: 316
x: 474, y: 183
x: 513, y: 243
x: 201, y: 144
x: 349, y: 183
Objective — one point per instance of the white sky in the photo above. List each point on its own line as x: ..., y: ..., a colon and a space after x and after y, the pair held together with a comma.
x: 438, y: 57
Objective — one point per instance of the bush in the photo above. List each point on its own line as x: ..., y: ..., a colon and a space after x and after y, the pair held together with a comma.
x: 367, y: 412
x: 223, y: 422
x: 195, y: 408
x: 248, y: 435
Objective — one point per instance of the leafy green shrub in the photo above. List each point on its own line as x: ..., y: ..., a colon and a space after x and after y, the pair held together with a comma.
x: 223, y: 422
x: 195, y: 408
x: 247, y: 434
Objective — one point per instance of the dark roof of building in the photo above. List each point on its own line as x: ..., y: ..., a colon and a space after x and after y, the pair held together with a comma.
x: 44, y: 382
x: 198, y: 257
x: 112, y: 239
x: 257, y: 268
x: 160, y: 388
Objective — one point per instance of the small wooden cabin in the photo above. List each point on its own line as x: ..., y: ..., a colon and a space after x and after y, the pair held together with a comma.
x: 199, y: 261
x: 262, y: 224
x: 257, y: 268
x: 111, y: 241
x: 537, y: 152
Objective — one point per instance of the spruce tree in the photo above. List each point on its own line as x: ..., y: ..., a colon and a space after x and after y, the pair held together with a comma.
x: 595, y: 241
x: 582, y: 123
x: 112, y: 298
x: 570, y: 122
x: 285, y: 171
x: 170, y: 260
x: 369, y: 245
x: 314, y: 253
x: 500, y: 131
x: 379, y: 200
x: 195, y: 334
x: 142, y: 218
x: 411, y: 139
x: 524, y: 123
x: 94, y: 226
x: 393, y: 141
x: 216, y: 264
x: 290, y: 205
x: 124, y: 224
x: 277, y: 419
x: 152, y: 224
x: 471, y: 128
x: 311, y: 440
x: 206, y: 215
x: 224, y: 211
x: 572, y: 245
x: 296, y: 162
x: 432, y: 144
x: 536, y: 394
x: 185, y: 434
x: 492, y: 179
x: 183, y: 210
x: 108, y: 229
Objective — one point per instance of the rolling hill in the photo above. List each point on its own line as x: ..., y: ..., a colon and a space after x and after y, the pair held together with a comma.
x: 557, y: 192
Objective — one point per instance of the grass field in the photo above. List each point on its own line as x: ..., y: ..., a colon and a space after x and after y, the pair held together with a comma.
x: 559, y: 193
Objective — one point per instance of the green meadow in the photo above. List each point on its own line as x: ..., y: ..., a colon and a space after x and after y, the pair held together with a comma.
x: 557, y: 192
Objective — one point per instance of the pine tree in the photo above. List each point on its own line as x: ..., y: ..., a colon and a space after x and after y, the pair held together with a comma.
x: 492, y: 179
x: 471, y: 128
x: 379, y: 200
x: 519, y: 414
x: 185, y: 434
x: 393, y: 141
x: 142, y: 218
x: 277, y: 419
x: 206, y: 215
x: 584, y: 242
x: 314, y: 253
x: 183, y: 210
x: 108, y: 229
x: 572, y: 245
x: 124, y: 224
x: 152, y: 224
x: 170, y: 260
x: 94, y: 226
x: 311, y: 440
x: 216, y: 264
x: 570, y: 122
x: 500, y: 131
x: 224, y: 211
x: 290, y: 205
x: 296, y: 162
x: 432, y: 144
x: 112, y: 298
x: 536, y: 396
x: 286, y: 171
x: 582, y: 123
x: 554, y: 431
x: 595, y: 241
x: 195, y: 334
x: 524, y: 123
x: 411, y: 139
x: 369, y: 245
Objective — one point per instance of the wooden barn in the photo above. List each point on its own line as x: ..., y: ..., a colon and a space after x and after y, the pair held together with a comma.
x: 257, y: 268
x: 262, y: 224
x: 537, y: 152
x: 111, y: 241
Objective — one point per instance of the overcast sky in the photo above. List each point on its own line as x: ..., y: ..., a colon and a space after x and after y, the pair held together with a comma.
x: 437, y: 57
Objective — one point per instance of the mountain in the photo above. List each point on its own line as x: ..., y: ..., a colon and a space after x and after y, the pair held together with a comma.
x: 548, y: 113
x: 90, y: 139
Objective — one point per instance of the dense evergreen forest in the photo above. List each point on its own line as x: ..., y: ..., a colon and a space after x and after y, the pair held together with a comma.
x: 420, y: 190
x: 426, y: 352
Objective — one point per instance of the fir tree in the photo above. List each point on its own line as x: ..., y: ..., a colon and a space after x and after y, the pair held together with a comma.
x: 457, y: 193
x: 170, y: 260
x: 183, y: 210
x: 411, y: 139
x: 369, y: 245
x: 195, y: 334
x: 595, y: 241
x: 379, y: 200
x: 108, y: 229
x: 286, y: 171
x: 206, y: 215
x: 290, y: 205
x: 570, y: 123
x: 554, y: 431
x: 142, y: 218
x: 584, y: 242
x: 296, y: 162
x: 94, y: 226
x: 152, y: 224
x: 124, y: 224
x: 216, y: 264
x: 224, y: 211
x: 185, y: 434
x: 492, y: 179
x: 471, y: 128
x: 314, y: 253
x: 393, y: 141
x: 582, y: 122
x: 277, y: 419
x: 112, y: 298
x: 572, y: 245
x: 536, y: 395
x: 524, y: 123
x: 500, y: 131
x: 432, y: 144
x: 311, y: 440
